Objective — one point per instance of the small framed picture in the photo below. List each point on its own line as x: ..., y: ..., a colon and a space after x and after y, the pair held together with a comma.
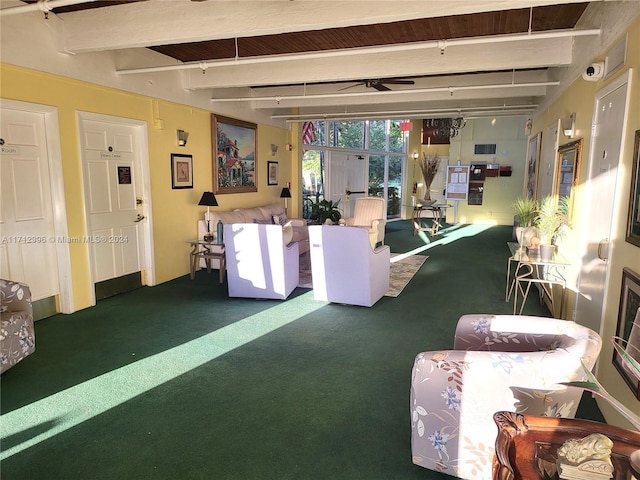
x: 272, y: 168
x: 181, y: 171
x: 626, y: 331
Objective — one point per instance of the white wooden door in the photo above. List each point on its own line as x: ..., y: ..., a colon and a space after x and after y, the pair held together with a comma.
x: 346, y: 172
x: 606, y: 143
x: 28, y: 248
x: 110, y: 157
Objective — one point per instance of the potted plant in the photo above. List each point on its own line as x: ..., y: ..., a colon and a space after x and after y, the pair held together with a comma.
x: 326, y: 210
x: 526, y: 212
x: 550, y: 217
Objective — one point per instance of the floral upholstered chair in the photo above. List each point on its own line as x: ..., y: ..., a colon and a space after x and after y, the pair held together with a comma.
x: 17, y: 334
x: 499, y: 362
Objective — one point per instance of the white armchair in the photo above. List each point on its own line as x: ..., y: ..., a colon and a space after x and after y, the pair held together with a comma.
x: 344, y: 267
x: 260, y: 261
x: 498, y: 363
x: 370, y: 213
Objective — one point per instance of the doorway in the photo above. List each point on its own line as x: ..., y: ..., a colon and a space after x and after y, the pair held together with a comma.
x: 33, y: 214
x: 116, y: 181
x: 608, y: 126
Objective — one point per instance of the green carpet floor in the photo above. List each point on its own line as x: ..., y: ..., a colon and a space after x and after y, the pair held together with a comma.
x: 178, y: 381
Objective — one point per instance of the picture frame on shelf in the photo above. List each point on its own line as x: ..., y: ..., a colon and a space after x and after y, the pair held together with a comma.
x: 181, y: 171
x: 633, y: 218
x: 272, y: 173
x: 235, y: 162
x: 627, y: 312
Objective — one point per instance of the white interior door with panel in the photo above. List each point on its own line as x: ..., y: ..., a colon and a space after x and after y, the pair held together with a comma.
x: 115, y: 202
x: 347, y: 172
x: 608, y: 126
x: 28, y: 249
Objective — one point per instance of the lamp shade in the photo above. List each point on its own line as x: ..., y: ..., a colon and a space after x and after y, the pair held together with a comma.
x: 285, y: 193
x: 208, y: 199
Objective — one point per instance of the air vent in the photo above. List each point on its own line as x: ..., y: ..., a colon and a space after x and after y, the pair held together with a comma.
x: 616, y: 57
x: 485, y: 149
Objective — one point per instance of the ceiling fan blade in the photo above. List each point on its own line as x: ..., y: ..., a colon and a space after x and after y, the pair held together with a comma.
x: 399, y: 82
x: 351, y: 86
x: 380, y: 87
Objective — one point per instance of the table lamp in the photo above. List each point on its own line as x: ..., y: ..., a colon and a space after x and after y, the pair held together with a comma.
x: 208, y: 199
x: 286, y: 193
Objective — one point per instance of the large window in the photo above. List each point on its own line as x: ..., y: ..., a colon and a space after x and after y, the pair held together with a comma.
x: 379, y: 141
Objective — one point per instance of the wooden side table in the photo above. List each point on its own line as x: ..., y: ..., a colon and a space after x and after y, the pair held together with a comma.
x: 526, y: 445
x: 207, y: 251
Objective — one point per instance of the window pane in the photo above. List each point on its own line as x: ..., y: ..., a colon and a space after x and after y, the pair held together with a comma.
x: 376, y: 175
x: 313, y: 166
x: 347, y: 134
x: 394, y: 189
x: 396, y: 139
x: 377, y: 135
x: 313, y: 133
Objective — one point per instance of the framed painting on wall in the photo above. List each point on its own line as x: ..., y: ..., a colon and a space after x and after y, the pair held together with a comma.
x: 533, y: 159
x: 633, y: 219
x: 272, y: 174
x: 627, y: 335
x: 181, y: 171
x: 235, y: 164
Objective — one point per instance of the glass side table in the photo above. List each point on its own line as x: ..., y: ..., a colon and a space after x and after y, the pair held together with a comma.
x: 207, y: 251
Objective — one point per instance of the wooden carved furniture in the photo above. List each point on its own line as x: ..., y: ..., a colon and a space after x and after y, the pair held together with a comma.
x: 526, y: 445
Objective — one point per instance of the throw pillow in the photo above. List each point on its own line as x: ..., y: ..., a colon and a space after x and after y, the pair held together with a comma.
x: 262, y: 222
x: 279, y: 219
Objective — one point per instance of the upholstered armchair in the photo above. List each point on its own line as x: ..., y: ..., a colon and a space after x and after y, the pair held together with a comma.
x: 261, y: 261
x: 17, y: 334
x: 370, y: 213
x: 498, y: 362
x: 344, y: 267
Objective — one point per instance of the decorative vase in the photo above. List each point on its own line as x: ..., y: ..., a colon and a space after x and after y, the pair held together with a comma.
x: 546, y: 252
x: 219, y: 231
x: 524, y: 235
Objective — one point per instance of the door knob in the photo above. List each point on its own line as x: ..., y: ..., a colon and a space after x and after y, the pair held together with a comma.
x: 603, y: 243
x: 139, y: 218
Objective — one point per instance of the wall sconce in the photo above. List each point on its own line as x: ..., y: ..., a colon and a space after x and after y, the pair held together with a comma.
x: 416, y: 155
x: 569, y: 125
x: 274, y: 149
x: 182, y: 138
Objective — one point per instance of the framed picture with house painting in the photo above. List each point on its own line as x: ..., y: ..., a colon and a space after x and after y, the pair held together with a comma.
x: 235, y: 163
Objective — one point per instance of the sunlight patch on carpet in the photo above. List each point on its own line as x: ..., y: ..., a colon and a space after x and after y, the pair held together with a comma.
x: 403, y: 268
x: 79, y: 403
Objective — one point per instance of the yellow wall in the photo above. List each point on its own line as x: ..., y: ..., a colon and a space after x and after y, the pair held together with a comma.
x: 511, y: 139
x: 580, y: 98
x: 175, y: 212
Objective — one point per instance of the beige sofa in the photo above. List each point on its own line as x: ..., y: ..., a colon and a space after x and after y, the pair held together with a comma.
x: 294, y: 229
x: 264, y: 214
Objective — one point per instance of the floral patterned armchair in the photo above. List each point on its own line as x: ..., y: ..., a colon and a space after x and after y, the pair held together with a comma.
x: 499, y: 362
x: 17, y: 334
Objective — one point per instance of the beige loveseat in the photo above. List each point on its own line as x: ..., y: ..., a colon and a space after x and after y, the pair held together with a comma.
x: 268, y: 214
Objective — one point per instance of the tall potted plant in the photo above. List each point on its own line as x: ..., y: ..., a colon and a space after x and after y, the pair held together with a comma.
x: 550, y: 217
x: 526, y: 212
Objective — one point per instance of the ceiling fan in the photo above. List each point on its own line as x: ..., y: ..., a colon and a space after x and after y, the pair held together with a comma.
x: 380, y: 84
